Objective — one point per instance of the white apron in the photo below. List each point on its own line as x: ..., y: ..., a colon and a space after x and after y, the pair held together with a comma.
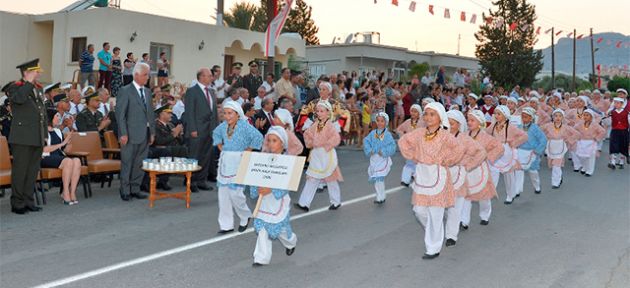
x: 274, y: 210
x: 379, y: 166
x: 525, y: 158
x: 321, y: 163
x: 228, y: 166
x: 430, y: 179
x: 507, y: 160
x: 478, y: 178
x: 556, y: 148
x: 458, y: 176
x: 586, y: 148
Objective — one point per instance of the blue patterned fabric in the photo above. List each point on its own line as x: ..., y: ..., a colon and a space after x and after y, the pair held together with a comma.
x: 536, y: 141
x: 373, y: 145
x: 245, y: 137
x: 273, y: 229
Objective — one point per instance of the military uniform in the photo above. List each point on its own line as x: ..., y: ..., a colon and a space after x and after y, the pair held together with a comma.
x: 252, y: 82
x: 27, y: 138
x: 237, y: 79
x: 87, y: 120
x: 165, y: 139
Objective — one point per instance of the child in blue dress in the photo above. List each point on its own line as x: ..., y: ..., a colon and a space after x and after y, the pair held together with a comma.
x: 379, y: 145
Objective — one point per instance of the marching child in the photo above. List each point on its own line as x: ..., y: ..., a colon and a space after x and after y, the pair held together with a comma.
x: 379, y: 145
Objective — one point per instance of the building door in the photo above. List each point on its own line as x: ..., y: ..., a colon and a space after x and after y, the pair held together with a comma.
x: 228, y: 60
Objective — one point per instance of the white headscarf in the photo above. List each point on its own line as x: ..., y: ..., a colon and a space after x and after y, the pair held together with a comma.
x: 535, y: 99
x: 479, y: 117
x: 531, y: 112
x: 281, y: 133
x: 327, y: 84
x: 621, y: 90
x: 437, y: 107
x: 513, y: 100
x: 417, y: 108
x: 285, y: 116
x: 585, y: 99
x: 427, y: 100
x: 473, y: 95
x: 558, y: 111
x: 384, y: 115
x: 459, y: 117
x: 504, y: 110
x: 618, y: 99
x: 234, y: 106
x: 325, y: 104
x: 590, y: 111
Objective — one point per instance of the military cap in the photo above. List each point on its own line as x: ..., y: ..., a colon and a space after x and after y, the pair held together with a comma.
x: 6, y: 86
x: 90, y: 96
x: 60, y: 97
x: 237, y: 65
x: 165, y: 108
x: 166, y: 87
x: 32, y: 65
x: 51, y: 87
x: 253, y: 62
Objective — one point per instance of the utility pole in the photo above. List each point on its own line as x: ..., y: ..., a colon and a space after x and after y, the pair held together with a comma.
x: 553, y: 60
x: 573, y: 87
x: 220, y: 12
x: 592, y: 60
x: 271, y: 13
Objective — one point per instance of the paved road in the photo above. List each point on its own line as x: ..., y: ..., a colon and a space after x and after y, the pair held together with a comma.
x: 577, y: 236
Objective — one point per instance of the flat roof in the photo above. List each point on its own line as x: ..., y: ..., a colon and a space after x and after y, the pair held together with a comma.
x: 381, y: 46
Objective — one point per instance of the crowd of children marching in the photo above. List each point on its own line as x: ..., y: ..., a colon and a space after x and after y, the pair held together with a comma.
x: 454, y: 155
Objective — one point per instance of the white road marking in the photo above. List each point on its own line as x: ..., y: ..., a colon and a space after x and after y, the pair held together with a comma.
x: 191, y: 246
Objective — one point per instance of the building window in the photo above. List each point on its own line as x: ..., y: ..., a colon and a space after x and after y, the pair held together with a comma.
x: 317, y: 70
x: 156, y: 50
x: 79, y: 44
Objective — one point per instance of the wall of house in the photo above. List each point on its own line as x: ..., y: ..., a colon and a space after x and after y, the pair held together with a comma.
x: 14, y: 34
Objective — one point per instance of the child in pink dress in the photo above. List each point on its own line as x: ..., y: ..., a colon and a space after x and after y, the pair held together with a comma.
x: 560, y: 138
x: 590, y: 132
x: 411, y: 124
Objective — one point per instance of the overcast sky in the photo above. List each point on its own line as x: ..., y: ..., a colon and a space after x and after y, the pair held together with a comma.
x: 398, y: 26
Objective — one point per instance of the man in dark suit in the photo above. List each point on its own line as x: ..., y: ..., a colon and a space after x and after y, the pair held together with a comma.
x: 27, y: 137
x: 136, y: 131
x: 201, y: 119
x: 264, y: 117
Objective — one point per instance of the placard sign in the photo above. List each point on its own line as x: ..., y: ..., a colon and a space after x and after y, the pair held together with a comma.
x: 270, y: 170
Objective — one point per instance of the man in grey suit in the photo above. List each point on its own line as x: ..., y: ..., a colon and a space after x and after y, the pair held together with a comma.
x: 136, y: 131
x: 201, y: 119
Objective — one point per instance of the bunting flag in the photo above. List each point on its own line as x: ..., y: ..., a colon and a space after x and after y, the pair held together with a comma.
x: 395, y: 2
x: 473, y: 18
x: 489, y: 20
x: 431, y: 9
x: 570, y: 34
x: 599, y: 40
x: 538, y: 30
x: 513, y: 26
x: 580, y: 36
x: 275, y: 28
x: 618, y: 45
x: 447, y: 14
x: 548, y: 30
x: 559, y: 32
x: 462, y: 16
x: 412, y: 6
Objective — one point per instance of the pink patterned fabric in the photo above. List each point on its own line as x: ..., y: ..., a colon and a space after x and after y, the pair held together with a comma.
x: 328, y: 138
x: 566, y: 133
x: 474, y: 155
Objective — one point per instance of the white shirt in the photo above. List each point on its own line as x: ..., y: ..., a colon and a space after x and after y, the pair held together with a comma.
x: 102, y: 106
x: 76, y: 108
x: 268, y: 88
x: 216, y: 85
x: 425, y: 80
x: 258, y: 103
x: 140, y: 91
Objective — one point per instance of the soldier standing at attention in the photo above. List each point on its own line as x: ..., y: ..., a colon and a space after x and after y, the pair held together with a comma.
x: 90, y: 119
x: 235, y: 80
x: 253, y: 80
x: 28, y: 136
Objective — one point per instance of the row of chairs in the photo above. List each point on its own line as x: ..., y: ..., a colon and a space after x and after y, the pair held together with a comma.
x: 95, y: 159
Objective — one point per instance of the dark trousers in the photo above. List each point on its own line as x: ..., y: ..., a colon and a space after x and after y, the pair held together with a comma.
x: 200, y: 148
x: 104, y: 79
x: 131, y: 173
x: 24, y: 174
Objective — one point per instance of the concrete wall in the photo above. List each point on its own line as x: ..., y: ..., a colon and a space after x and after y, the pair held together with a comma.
x: 12, y: 48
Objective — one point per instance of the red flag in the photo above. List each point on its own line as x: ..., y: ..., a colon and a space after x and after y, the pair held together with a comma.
x: 538, y: 30
x: 559, y: 32
x: 431, y: 9
x: 625, y: 67
x: 412, y: 6
x: 599, y: 66
x: 580, y: 36
x: 473, y: 18
x: 395, y: 2
x: 599, y: 40
x: 447, y: 14
x: 462, y: 16
x: 618, y: 45
x: 570, y: 34
x: 513, y: 26
x: 548, y: 30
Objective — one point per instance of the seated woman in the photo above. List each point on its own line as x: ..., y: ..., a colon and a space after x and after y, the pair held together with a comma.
x: 54, y: 157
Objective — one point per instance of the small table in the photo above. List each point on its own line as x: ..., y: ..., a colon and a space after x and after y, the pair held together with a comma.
x: 155, y: 195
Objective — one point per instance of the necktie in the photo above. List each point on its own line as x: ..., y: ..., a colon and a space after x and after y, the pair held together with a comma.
x: 106, y: 110
x: 142, y: 96
x: 269, y: 117
x: 76, y: 109
x: 208, y: 98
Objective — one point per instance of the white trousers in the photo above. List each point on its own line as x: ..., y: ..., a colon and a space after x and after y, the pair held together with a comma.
x: 453, y: 215
x: 432, y: 219
x: 407, y: 173
x: 520, y: 180
x: 509, y: 179
x: 379, y: 186
x: 310, y: 187
x: 262, y: 252
x: 485, y: 210
x: 556, y: 175
x: 231, y: 200
x: 588, y: 164
x: 577, y: 164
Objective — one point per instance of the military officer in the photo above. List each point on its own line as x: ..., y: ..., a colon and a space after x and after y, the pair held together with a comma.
x: 50, y: 92
x: 28, y: 136
x: 253, y: 80
x: 167, y: 135
x: 235, y: 80
x: 90, y: 119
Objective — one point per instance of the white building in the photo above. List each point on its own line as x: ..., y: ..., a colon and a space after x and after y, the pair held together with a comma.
x: 367, y: 57
x: 58, y: 39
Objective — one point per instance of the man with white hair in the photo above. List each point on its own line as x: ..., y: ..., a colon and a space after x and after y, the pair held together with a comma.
x: 136, y: 131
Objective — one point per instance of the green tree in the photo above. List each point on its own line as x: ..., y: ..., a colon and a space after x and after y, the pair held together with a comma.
x: 506, y: 54
x: 241, y: 16
x: 419, y: 69
x: 562, y: 81
x: 618, y: 82
x: 300, y: 21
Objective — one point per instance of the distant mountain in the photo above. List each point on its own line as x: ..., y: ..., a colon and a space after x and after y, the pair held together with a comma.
x: 606, y: 55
